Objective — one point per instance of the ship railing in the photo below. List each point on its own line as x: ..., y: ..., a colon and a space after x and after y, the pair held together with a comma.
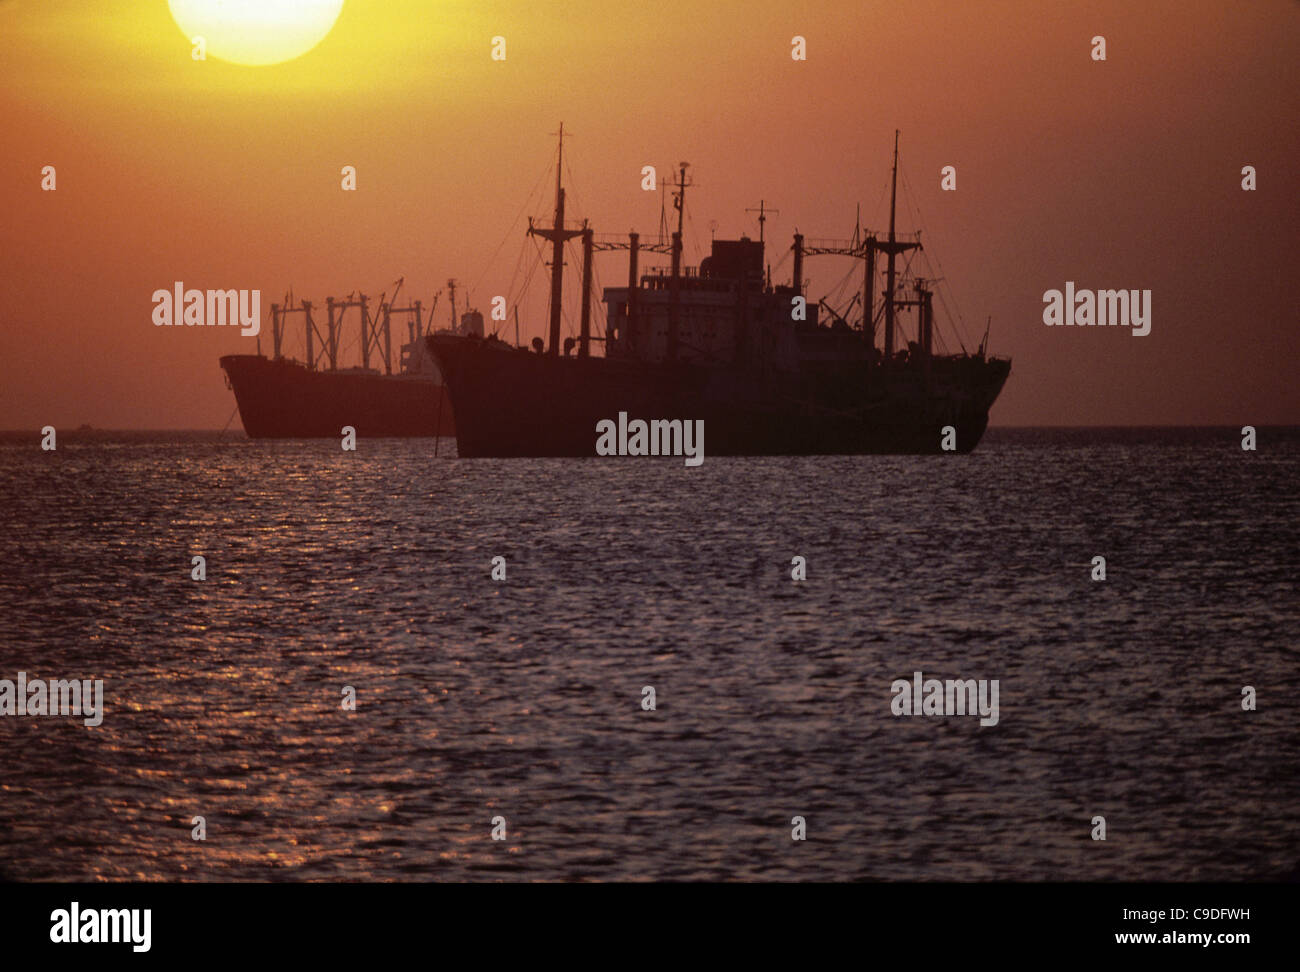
x: 811, y: 245
x: 826, y: 244
x: 545, y: 223
x: 620, y: 241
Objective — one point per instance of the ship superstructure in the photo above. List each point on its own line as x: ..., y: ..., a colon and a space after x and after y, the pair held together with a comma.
x: 718, y: 342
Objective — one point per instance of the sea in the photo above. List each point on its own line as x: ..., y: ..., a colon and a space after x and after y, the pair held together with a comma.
x: 397, y: 665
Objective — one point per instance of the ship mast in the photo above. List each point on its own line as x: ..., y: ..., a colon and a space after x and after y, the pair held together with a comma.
x: 889, y: 265
x: 892, y: 248
x: 558, y: 235
x: 674, y: 283
x: 864, y: 246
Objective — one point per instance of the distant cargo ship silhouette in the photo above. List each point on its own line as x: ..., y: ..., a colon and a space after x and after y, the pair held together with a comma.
x: 281, y: 398
x: 721, y: 344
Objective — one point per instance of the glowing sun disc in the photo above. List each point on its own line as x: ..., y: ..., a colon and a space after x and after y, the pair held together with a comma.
x: 256, y: 31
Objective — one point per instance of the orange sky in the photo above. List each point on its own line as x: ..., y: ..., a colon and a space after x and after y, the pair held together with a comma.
x: 1122, y: 174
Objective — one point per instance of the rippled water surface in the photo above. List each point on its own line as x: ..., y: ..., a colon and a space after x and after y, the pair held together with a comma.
x: 522, y: 698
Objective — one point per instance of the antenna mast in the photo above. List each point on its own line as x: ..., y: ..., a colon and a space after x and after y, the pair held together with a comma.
x: 762, y: 211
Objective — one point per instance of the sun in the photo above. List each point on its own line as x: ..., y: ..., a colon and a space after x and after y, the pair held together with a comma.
x: 256, y: 31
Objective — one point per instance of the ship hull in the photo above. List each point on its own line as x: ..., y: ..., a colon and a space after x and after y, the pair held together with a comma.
x: 511, y: 402
x: 282, y: 399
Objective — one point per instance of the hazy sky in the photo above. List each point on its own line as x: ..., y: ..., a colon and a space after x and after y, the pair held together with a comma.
x: 1117, y: 174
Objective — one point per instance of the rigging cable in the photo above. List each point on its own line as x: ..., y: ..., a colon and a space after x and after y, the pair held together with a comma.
x: 515, y: 222
x: 942, y: 276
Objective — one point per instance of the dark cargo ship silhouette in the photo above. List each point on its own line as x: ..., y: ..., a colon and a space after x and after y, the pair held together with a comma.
x: 282, y: 398
x: 719, y: 343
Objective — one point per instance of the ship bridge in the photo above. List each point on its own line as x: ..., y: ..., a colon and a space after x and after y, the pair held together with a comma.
x: 712, y: 308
